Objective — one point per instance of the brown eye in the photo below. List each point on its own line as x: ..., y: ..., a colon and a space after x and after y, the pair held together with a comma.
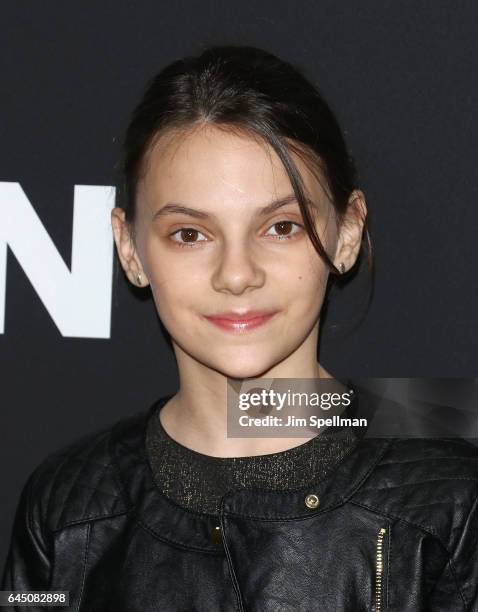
x: 283, y: 229
x: 189, y: 235
x: 186, y: 236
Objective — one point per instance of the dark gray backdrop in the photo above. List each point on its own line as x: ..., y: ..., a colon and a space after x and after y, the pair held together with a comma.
x: 402, y: 80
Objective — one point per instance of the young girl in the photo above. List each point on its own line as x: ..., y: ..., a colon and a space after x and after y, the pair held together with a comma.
x: 241, y: 208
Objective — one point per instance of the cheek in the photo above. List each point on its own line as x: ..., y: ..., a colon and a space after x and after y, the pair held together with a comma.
x: 307, y: 287
x: 176, y: 290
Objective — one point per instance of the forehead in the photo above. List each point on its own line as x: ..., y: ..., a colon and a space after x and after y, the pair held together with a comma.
x: 207, y: 165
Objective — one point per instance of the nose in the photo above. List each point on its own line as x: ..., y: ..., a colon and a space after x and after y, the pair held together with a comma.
x: 238, y: 269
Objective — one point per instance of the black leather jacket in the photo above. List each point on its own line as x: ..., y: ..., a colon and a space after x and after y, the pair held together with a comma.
x: 395, y: 528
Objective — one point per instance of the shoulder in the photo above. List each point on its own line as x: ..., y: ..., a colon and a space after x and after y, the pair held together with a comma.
x: 79, y: 481
x: 430, y: 483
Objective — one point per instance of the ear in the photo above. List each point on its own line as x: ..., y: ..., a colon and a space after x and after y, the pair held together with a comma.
x: 350, y: 231
x: 126, y: 249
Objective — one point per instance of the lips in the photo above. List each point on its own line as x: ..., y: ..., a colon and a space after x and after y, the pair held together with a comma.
x: 235, y: 322
x: 243, y: 316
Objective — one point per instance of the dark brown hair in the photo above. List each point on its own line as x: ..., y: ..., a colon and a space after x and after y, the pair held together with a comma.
x: 249, y: 90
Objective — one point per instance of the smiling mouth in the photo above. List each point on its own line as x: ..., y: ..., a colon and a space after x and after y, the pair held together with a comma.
x: 241, y: 325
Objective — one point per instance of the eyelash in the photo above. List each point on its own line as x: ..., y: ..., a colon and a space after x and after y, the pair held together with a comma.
x: 193, y: 244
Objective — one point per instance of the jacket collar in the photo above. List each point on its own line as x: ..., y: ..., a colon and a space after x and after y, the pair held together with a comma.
x: 185, y: 528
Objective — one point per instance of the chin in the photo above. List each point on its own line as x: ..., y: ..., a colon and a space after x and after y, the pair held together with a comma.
x: 248, y: 369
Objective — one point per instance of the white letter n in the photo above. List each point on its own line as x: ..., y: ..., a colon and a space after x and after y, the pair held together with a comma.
x: 78, y: 301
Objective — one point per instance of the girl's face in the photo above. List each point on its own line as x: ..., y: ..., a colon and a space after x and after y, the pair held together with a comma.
x: 223, y: 254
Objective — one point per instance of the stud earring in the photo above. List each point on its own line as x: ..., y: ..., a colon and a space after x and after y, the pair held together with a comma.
x: 139, y: 278
x: 342, y: 267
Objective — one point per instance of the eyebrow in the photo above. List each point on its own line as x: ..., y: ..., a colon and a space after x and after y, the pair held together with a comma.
x: 172, y: 207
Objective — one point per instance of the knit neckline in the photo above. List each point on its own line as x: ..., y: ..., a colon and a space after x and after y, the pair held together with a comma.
x: 156, y: 428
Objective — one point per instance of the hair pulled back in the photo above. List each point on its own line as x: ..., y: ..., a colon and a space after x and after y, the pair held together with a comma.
x: 250, y: 90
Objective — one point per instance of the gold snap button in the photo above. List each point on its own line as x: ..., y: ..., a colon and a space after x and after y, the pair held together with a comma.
x: 312, y: 501
x: 216, y: 535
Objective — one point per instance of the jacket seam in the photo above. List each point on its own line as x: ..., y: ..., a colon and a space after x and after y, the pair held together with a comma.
x: 235, y: 582
x: 428, y: 530
x: 452, y: 564
x: 88, y: 519
x: 367, y: 474
x: 85, y: 562
x: 40, y: 531
x: 455, y: 577
x: 83, y: 465
x: 31, y: 521
x: 420, y: 482
x: 53, y: 488
x: 35, y: 529
x: 272, y: 519
x: 431, y: 459
x: 174, y: 543
x: 32, y: 524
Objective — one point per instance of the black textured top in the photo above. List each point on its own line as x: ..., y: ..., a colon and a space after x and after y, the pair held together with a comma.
x: 197, y: 481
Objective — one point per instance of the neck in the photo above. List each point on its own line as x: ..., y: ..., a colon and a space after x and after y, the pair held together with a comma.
x: 196, y: 415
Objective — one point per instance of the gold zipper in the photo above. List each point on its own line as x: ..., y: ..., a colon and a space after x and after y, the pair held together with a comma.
x: 379, y: 569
